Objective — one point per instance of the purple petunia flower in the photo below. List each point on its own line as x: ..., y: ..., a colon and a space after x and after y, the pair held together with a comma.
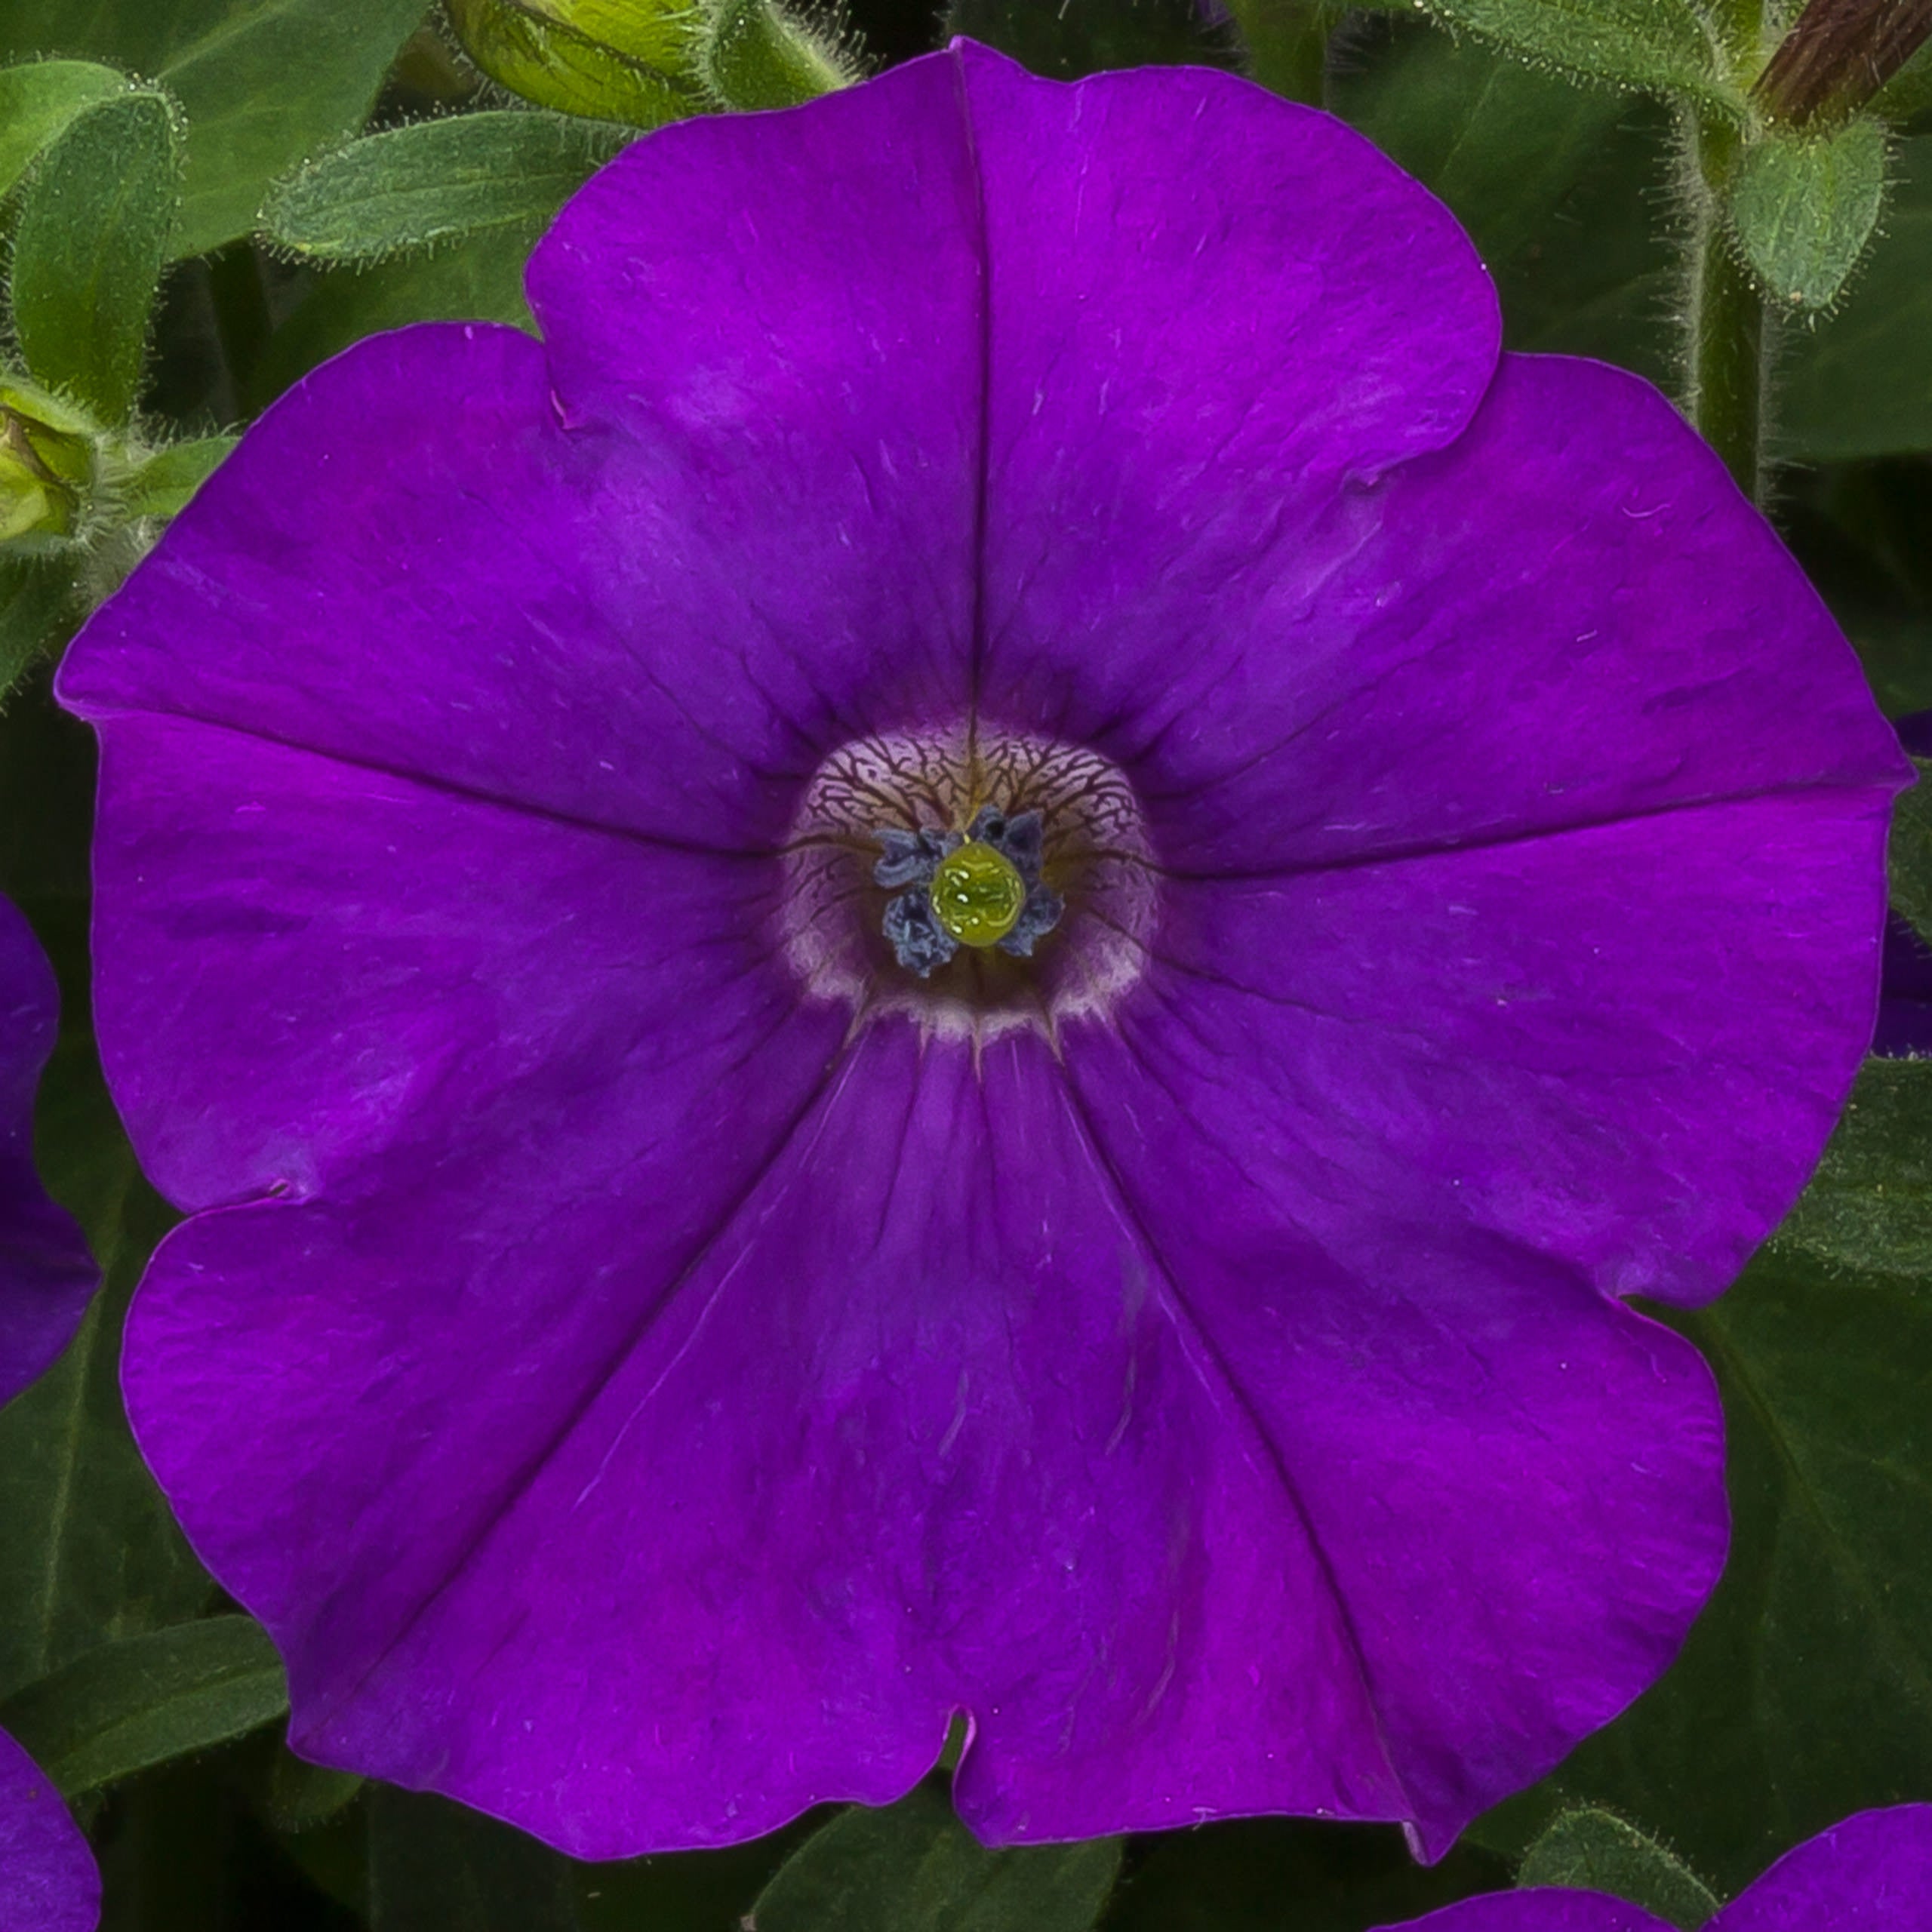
x: 667, y: 1319
x: 46, y: 1275
x: 1872, y: 1873
x: 48, y: 1878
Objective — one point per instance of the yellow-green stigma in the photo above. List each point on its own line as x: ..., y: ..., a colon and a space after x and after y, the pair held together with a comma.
x: 977, y: 894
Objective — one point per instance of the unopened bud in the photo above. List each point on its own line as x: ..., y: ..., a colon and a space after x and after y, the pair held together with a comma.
x: 755, y: 56
x: 46, y: 463
x: 631, y: 61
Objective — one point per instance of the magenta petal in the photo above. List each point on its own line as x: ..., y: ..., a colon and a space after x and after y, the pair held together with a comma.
x: 1872, y: 1873
x: 48, y: 1881
x: 666, y: 1586
x: 421, y: 570
x: 1540, y: 1909
x: 1570, y: 617
x: 1515, y: 1485
x: 1175, y: 396
x: 46, y: 1275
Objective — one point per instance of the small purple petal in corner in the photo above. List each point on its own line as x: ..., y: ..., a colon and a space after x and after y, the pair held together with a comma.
x: 48, y: 1880
x: 46, y: 1275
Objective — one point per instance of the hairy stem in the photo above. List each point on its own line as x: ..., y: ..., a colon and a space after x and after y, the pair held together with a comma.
x: 1728, y: 335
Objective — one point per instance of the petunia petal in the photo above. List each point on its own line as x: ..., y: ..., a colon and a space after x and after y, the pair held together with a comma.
x: 48, y: 1880
x: 1541, y: 1909
x: 46, y: 1276
x: 1570, y: 617
x: 1515, y: 1484
x: 1872, y: 1873
x: 1557, y: 1044
x: 1165, y: 404
x: 433, y: 556
x: 703, y: 1603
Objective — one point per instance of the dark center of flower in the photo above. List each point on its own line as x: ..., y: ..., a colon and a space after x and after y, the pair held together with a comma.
x: 926, y: 871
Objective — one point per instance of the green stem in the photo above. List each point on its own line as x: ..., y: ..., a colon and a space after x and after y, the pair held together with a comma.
x: 1729, y: 336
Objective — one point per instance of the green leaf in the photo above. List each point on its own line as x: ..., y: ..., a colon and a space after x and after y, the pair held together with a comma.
x: 263, y: 82
x: 302, y: 1796
x: 37, y: 613
x: 93, y: 233
x: 434, y: 1865
x: 144, y: 1700
x: 1805, y: 1692
x: 478, y: 279
x: 438, y: 181
x: 1590, y: 1849
x: 523, y: 46
x: 1860, y: 383
x: 1501, y: 144
x: 755, y: 55
x: 1869, y: 1205
x: 163, y: 484
x: 1664, y: 46
x: 913, y: 1867
x: 38, y: 99
x: 1803, y: 210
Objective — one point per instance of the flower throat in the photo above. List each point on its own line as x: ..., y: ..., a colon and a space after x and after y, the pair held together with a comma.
x: 974, y: 880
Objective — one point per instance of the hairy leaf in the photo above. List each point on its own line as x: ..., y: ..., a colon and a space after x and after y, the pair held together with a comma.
x: 263, y: 82
x: 1861, y: 384
x: 1663, y: 46
x: 1804, y: 209
x: 441, y: 180
x: 94, y: 225
x: 38, y: 99
x: 1591, y: 1850
x: 165, y: 481
x: 1501, y: 144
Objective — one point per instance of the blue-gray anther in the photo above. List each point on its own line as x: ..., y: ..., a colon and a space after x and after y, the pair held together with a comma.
x: 1037, y: 917
x: 919, y: 942
x: 910, y: 857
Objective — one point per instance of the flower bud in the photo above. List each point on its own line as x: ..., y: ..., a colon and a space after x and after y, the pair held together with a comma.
x: 47, y: 464
x: 755, y: 56
x: 624, y: 60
